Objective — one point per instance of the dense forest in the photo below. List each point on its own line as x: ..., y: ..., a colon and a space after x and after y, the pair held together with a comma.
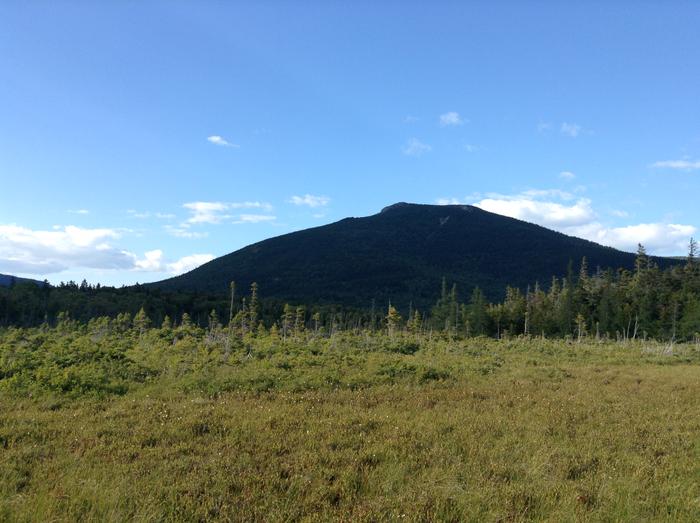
x: 647, y: 302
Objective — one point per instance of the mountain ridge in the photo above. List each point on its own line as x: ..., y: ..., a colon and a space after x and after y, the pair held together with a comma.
x: 6, y: 280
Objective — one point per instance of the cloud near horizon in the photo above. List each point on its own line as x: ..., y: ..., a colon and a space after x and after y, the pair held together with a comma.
x: 38, y: 252
x: 153, y: 261
x: 575, y: 216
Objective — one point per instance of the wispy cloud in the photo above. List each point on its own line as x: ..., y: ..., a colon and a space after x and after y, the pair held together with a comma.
x: 567, y: 175
x: 310, y: 200
x: 78, y: 211
x: 410, y: 119
x: 570, y: 129
x: 450, y: 119
x: 471, y: 148
x: 680, y: 165
x: 220, y: 140
x: 451, y: 201
x: 143, y: 215
x: 619, y: 213
x: 414, y: 147
x: 254, y: 218
x: 184, y: 232
x: 217, y: 212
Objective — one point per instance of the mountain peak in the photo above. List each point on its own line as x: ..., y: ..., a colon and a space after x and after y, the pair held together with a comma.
x: 406, y: 205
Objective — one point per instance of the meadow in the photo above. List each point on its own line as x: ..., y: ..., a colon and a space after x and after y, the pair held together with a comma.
x: 113, y: 422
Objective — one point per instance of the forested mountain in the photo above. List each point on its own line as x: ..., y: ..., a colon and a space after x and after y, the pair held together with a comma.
x: 6, y: 280
x: 400, y: 255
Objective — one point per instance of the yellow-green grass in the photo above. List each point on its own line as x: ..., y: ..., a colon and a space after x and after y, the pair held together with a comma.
x: 495, y: 431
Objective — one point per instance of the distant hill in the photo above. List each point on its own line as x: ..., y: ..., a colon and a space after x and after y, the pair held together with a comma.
x: 401, y: 254
x: 6, y: 280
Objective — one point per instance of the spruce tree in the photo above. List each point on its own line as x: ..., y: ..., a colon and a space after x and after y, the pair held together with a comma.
x: 393, y: 320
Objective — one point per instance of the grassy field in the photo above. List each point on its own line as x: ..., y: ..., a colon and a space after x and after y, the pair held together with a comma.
x: 353, y: 428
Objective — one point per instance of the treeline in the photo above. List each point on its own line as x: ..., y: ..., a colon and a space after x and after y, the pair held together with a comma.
x: 646, y: 302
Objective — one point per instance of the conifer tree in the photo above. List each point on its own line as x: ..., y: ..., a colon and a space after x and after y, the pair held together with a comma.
x: 287, y: 320
x: 214, y: 323
x: 299, y: 320
x: 393, y: 320
x: 232, y: 290
x: 141, y: 321
x: 254, y: 305
x: 477, y: 313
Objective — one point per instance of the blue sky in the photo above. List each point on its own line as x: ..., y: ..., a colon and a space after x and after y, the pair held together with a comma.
x: 139, y: 139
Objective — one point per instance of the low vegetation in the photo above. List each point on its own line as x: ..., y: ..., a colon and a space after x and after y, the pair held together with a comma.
x: 579, y: 403
x: 114, y: 420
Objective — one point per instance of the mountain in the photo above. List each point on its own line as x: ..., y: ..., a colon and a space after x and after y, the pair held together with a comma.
x: 401, y: 254
x: 7, y: 280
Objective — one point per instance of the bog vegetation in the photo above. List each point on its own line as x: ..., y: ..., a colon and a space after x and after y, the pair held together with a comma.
x: 581, y: 402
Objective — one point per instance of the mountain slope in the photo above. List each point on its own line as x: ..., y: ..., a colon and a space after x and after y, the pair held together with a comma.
x: 6, y: 280
x: 401, y: 254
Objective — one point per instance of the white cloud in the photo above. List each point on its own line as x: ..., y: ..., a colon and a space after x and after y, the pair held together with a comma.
x: 543, y: 126
x: 153, y: 261
x: 39, y: 252
x: 567, y: 175
x: 450, y: 201
x: 681, y: 165
x: 570, y: 129
x: 188, y: 263
x: 78, y: 211
x: 551, y: 214
x: 451, y: 118
x: 254, y: 218
x: 574, y: 216
x: 415, y: 147
x: 471, y: 148
x: 310, y: 200
x: 410, y: 119
x: 207, y: 212
x: 219, y: 140
x: 659, y: 238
